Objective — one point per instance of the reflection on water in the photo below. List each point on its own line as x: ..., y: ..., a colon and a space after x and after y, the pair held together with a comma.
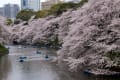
x: 5, y: 66
x: 12, y: 69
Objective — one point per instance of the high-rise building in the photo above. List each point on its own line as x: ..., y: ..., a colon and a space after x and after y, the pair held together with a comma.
x: 24, y: 4
x: 11, y: 10
x: 2, y: 11
x: 49, y: 3
x: 30, y: 4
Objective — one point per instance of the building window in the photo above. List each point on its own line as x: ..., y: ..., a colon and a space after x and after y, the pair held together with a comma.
x: 24, y: 3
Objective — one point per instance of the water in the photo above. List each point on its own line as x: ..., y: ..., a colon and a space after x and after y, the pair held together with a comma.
x: 36, y: 68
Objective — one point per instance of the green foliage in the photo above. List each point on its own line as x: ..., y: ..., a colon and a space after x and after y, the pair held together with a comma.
x: 16, y: 21
x: 42, y: 14
x: 58, y: 9
x: 25, y: 15
x: 9, y: 22
x: 113, y: 55
x: 55, y: 41
x: 3, y: 50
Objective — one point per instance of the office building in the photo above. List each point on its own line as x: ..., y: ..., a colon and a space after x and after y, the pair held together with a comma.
x: 11, y: 10
x: 30, y: 4
x: 49, y: 3
x: 24, y: 4
x: 1, y: 11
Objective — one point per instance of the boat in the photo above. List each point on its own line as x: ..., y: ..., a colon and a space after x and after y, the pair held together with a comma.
x: 46, y: 56
x: 25, y: 47
x: 21, y: 60
x: 22, y: 57
x: 38, y: 52
x: 101, y: 72
x: 87, y: 71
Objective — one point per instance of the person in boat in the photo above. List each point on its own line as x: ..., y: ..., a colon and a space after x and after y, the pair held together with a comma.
x: 21, y: 60
x: 22, y: 57
x: 38, y: 52
x: 46, y: 56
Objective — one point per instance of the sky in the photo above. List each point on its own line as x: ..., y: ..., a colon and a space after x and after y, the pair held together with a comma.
x: 2, y: 2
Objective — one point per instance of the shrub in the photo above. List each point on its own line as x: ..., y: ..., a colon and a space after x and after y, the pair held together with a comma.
x: 3, y: 50
x: 25, y: 15
x: 16, y: 21
x: 9, y: 22
x: 42, y: 14
x: 58, y: 9
x: 113, y: 55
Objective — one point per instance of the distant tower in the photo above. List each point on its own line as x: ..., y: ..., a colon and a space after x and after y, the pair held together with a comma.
x: 24, y: 4
x: 2, y: 11
x: 30, y: 4
x: 11, y: 10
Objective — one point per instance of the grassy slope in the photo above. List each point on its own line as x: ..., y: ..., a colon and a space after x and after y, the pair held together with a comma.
x: 3, y: 50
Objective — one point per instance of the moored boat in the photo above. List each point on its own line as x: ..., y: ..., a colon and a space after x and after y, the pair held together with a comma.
x: 101, y: 72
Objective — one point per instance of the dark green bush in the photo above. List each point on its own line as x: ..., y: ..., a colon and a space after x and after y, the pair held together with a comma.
x: 113, y: 54
x: 3, y: 50
x: 9, y: 22
x: 58, y: 9
x: 16, y: 21
x: 42, y: 14
x: 25, y: 15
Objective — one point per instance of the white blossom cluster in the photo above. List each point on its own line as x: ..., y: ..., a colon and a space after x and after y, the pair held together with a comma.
x: 4, y: 31
x: 95, y: 32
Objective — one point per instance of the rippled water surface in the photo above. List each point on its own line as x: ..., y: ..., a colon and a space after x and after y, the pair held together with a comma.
x: 36, y: 67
